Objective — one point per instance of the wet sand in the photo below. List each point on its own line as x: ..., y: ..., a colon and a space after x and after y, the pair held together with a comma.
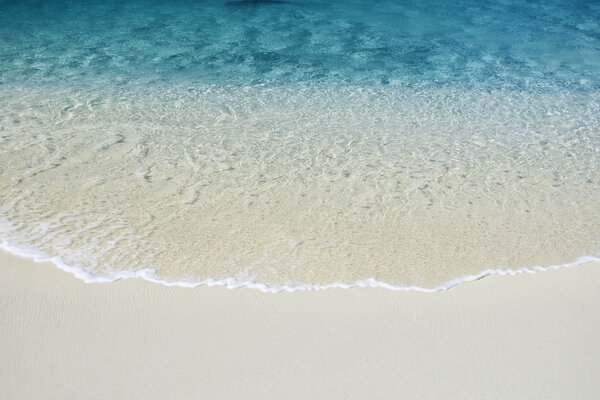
x: 529, y: 336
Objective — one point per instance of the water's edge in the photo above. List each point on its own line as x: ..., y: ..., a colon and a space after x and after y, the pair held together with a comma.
x: 232, y: 283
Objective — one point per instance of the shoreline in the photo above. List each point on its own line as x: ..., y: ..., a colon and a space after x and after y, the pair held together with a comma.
x: 532, y: 336
x: 149, y: 275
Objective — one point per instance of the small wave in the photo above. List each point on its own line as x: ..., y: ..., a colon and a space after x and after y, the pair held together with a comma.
x: 150, y: 275
x: 301, y: 183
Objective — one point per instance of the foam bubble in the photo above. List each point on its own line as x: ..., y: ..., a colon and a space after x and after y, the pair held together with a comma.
x: 233, y: 283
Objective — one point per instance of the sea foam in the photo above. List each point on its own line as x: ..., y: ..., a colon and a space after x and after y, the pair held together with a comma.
x: 233, y: 283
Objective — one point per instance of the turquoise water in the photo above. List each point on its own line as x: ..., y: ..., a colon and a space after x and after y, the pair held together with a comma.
x: 300, y: 144
x: 525, y: 45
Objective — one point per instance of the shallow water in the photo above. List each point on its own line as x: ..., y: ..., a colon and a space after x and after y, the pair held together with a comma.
x: 300, y: 143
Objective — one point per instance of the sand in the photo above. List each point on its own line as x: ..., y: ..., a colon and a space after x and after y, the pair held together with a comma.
x: 533, y: 336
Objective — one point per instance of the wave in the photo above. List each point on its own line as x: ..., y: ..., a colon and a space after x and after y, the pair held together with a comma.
x: 300, y: 183
x: 150, y: 275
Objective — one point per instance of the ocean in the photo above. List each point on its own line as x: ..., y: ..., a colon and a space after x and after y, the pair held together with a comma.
x: 289, y: 145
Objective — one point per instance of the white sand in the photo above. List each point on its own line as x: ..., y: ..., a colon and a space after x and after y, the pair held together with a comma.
x: 527, y: 337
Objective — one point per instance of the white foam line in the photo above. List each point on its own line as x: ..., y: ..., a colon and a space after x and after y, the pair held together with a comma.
x: 232, y: 283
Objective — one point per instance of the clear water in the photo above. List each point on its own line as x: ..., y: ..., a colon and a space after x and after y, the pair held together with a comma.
x: 299, y: 143
x: 545, y: 45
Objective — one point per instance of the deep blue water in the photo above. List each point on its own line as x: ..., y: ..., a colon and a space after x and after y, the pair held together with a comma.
x: 524, y: 45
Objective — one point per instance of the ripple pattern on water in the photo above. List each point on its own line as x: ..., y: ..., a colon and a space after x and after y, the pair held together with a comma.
x: 296, y: 184
x: 541, y: 45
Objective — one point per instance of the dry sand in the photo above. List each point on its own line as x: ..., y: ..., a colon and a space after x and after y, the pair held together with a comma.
x: 527, y: 337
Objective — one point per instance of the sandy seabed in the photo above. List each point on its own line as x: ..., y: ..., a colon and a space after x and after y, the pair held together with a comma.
x: 285, y: 185
x: 533, y: 336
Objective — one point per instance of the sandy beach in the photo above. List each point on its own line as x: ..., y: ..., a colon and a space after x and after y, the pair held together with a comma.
x: 533, y: 336
x: 269, y: 199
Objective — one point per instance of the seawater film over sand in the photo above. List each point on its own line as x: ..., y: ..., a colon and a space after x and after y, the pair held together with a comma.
x: 300, y: 144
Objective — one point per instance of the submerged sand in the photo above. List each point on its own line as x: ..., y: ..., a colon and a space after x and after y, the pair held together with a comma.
x: 532, y: 336
x: 302, y: 184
